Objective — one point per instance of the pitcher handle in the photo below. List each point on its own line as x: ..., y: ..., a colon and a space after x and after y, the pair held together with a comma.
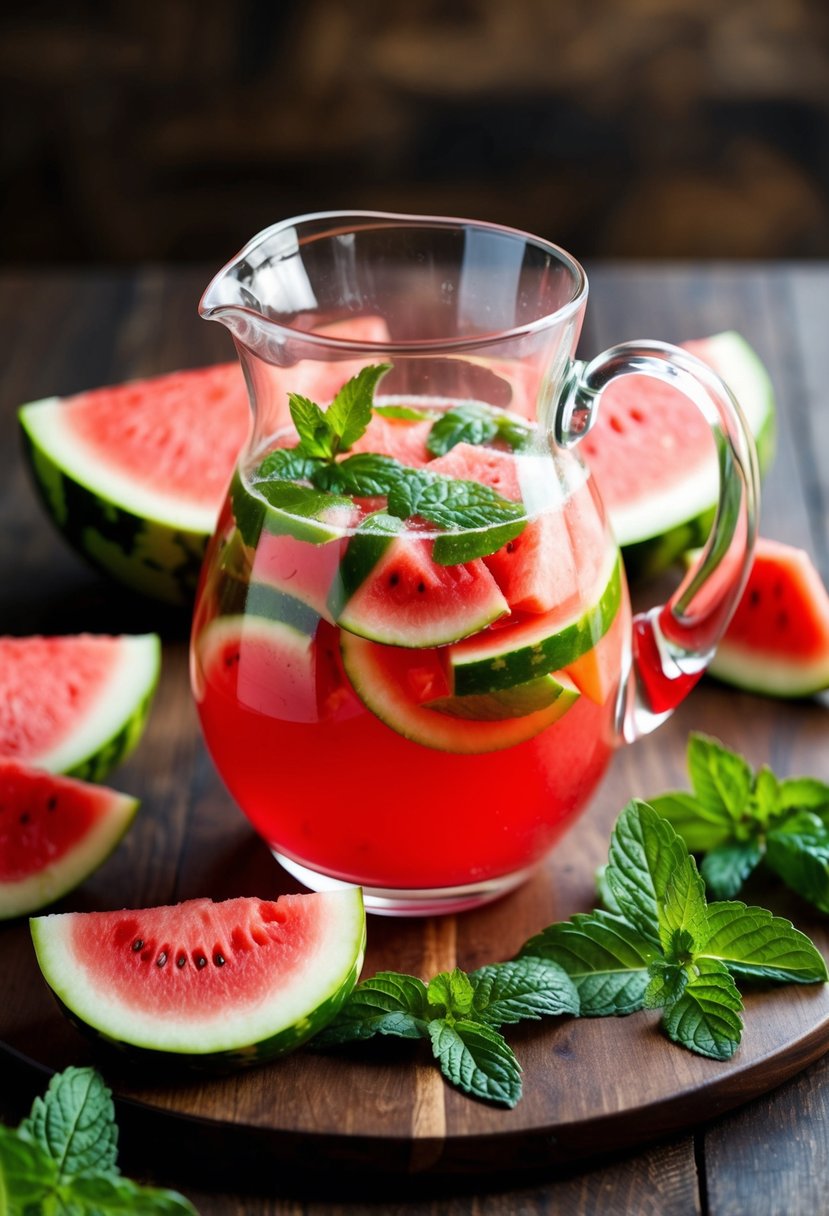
x: 674, y: 642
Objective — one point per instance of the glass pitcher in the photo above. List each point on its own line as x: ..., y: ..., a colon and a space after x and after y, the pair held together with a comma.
x: 412, y: 651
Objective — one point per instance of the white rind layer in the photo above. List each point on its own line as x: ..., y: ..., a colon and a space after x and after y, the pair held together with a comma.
x: 289, y: 1004
x: 770, y: 674
x: 46, y: 422
x: 131, y: 681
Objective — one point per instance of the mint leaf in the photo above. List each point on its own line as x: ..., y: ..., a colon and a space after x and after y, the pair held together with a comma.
x: 753, y: 943
x: 706, y: 1017
x: 388, y: 1003
x: 699, y: 826
x: 683, y: 917
x: 514, y: 432
x: 604, y: 895
x: 404, y: 497
x: 74, y: 1123
x: 365, y: 474
x: 305, y: 501
x: 798, y: 851
x: 803, y: 794
x: 28, y: 1175
x: 104, y: 1195
x: 477, y: 424
x: 477, y: 1059
x: 765, y: 796
x: 522, y: 988
x: 62, y: 1158
x: 285, y: 464
x: 605, y: 957
x: 645, y: 852
x: 727, y: 867
x: 464, y: 424
x: 722, y: 779
x: 316, y: 437
x: 667, y: 983
x: 349, y: 414
x: 451, y: 993
x: 405, y: 413
x: 451, y: 503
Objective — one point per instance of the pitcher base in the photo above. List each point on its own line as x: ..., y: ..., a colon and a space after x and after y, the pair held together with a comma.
x: 407, y: 901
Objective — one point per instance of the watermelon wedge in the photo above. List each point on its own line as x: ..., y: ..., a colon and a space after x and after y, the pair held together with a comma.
x: 236, y: 982
x: 653, y: 456
x: 778, y: 640
x: 54, y: 832
x: 75, y: 704
x: 133, y: 475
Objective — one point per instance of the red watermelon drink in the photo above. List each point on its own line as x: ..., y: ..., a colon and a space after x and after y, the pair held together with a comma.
x: 412, y: 648
x: 415, y: 708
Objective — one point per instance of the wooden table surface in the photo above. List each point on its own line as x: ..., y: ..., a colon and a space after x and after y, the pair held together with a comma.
x: 70, y: 329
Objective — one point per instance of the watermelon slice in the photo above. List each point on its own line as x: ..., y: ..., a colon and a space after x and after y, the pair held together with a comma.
x: 778, y: 639
x: 75, y: 704
x: 388, y: 680
x: 390, y: 590
x: 512, y: 654
x: 54, y: 832
x: 134, y: 475
x: 653, y: 457
x: 537, y: 569
x: 238, y: 981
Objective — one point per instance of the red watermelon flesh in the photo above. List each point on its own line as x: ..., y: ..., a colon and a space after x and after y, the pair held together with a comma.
x: 54, y: 831
x: 209, y: 950
x: 51, y: 686
x: 536, y: 571
x: 43, y: 816
x: 177, y: 434
x: 645, y: 429
x: 402, y: 439
x: 778, y: 639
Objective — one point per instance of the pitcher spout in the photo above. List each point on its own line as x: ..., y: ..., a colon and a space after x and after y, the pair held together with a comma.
x: 260, y: 288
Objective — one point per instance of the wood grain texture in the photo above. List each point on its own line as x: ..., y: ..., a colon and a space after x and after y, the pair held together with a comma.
x: 387, y: 1108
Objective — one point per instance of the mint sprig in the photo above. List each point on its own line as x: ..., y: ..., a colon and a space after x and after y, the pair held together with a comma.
x: 473, y: 423
x: 664, y: 947
x: 318, y: 475
x: 63, y: 1157
x: 460, y: 1015
x: 739, y: 819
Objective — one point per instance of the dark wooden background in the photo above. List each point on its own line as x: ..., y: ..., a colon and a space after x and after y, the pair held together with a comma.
x: 621, y: 128
x: 69, y: 330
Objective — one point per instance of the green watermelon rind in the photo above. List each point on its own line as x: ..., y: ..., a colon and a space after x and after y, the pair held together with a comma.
x: 153, y: 555
x: 62, y: 875
x: 668, y: 524
x: 106, y: 738
x: 429, y: 727
x: 229, y: 1040
x: 496, y: 662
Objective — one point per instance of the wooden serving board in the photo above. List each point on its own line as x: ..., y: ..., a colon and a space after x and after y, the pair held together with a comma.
x: 590, y: 1086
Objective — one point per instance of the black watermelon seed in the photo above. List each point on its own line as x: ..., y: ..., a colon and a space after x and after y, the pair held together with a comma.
x: 51, y: 803
x: 181, y: 960
x: 201, y: 962
x: 421, y: 587
x: 218, y: 959
x: 138, y: 944
x: 394, y: 579
x: 754, y: 598
x: 162, y: 959
x: 25, y: 817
